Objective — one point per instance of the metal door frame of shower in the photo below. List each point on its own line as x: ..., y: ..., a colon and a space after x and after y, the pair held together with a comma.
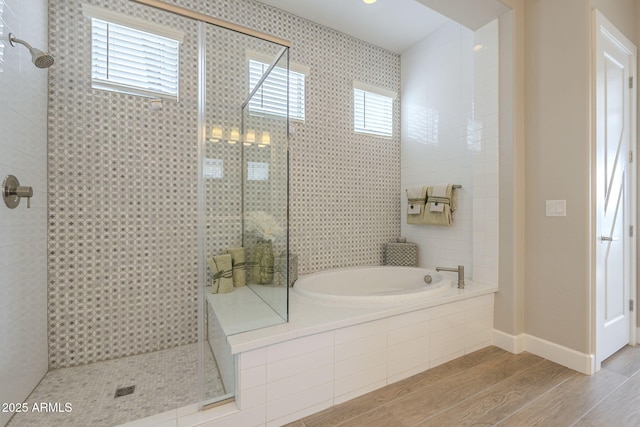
x: 214, y: 21
x: 203, y: 18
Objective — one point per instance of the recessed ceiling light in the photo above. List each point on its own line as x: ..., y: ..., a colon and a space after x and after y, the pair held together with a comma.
x: 369, y: 1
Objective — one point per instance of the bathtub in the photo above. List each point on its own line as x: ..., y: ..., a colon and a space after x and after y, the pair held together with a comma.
x: 372, y: 284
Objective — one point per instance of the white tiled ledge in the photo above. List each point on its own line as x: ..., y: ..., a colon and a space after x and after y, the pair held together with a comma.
x: 243, y: 310
x: 308, y: 317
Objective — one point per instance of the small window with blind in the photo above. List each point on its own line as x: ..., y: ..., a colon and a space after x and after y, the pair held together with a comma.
x: 373, y: 110
x: 271, y: 97
x: 132, y: 56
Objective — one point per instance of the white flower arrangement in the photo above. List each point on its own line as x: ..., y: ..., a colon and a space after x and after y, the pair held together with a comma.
x: 263, y: 224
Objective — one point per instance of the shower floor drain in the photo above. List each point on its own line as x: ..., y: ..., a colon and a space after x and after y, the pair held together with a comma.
x: 123, y: 391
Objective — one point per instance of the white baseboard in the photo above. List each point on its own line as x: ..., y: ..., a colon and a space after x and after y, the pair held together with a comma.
x: 572, y: 359
x: 511, y: 343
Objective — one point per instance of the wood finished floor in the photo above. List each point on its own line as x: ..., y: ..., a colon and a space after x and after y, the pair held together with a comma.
x: 494, y: 387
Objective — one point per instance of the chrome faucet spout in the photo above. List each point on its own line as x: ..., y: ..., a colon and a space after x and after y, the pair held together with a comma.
x: 459, y: 270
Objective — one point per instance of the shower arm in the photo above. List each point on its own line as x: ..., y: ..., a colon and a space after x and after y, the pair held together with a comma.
x: 13, y: 40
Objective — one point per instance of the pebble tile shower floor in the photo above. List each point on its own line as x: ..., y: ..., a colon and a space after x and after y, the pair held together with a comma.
x: 164, y: 380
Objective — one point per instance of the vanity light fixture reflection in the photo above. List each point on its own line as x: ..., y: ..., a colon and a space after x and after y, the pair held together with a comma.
x: 250, y: 137
x: 265, y: 140
x: 234, y: 136
x: 216, y: 135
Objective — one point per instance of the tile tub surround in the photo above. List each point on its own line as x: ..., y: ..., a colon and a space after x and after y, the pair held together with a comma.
x: 328, y: 354
x: 133, y: 258
x: 450, y: 134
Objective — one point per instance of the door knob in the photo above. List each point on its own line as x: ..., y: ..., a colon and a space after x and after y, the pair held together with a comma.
x: 606, y: 238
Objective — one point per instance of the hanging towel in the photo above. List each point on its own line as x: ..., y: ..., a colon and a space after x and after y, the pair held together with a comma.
x: 439, y: 207
x: 416, y: 199
x: 438, y: 198
x: 222, y: 271
x: 238, y: 261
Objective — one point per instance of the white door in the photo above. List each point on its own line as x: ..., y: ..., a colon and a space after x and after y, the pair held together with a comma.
x: 615, y: 58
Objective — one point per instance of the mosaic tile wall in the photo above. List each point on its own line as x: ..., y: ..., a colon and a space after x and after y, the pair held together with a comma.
x: 123, y: 180
x: 345, y: 188
x: 122, y: 203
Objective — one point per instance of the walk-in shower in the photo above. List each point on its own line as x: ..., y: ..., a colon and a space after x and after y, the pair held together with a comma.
x: 143, y: 191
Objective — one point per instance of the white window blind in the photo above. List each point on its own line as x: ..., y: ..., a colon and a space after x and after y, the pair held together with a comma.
x: 271, y: 97
x: 129, y: 60
x: 373, y: 112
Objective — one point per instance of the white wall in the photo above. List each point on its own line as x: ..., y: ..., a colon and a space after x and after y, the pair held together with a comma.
x: 437, y: 101
x: 483, y: 141
x: 450, y: 134
x: 23, y: 246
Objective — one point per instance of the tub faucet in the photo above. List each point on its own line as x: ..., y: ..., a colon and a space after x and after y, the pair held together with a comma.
x: 459, y: 270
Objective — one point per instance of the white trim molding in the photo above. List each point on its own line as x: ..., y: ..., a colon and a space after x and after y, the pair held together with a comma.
x: 511, y: 343
x: 91, y: 11
x: 572, y: 359
x: 269, y: 59
x: 374, y: 89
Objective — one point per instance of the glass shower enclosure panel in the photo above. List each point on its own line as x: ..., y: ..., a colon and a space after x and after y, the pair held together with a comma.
x: 244, y: 190
x: 265, y: 124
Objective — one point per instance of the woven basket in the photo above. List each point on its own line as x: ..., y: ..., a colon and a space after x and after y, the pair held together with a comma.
x: 404, y: 254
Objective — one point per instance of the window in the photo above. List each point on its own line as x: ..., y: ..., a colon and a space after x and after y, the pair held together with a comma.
x: 271, y: 97
x: 372, y: 110
x: 133, y: 56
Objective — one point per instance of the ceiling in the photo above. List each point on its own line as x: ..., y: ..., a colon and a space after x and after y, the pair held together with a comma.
x: 392, y: 24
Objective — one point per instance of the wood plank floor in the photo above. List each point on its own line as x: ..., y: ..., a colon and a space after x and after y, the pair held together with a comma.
x: 493, y: 387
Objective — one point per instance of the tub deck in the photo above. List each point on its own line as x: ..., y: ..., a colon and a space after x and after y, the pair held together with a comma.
x: 308, y: 317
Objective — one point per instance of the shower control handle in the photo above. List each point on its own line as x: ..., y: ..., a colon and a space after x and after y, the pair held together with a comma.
x: 25, y: 192
x: 12, y: 192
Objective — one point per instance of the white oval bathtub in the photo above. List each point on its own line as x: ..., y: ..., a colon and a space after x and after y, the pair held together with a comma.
x: 372, y: 284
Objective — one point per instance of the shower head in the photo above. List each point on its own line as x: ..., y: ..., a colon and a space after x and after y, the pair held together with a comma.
x: 40, y: 59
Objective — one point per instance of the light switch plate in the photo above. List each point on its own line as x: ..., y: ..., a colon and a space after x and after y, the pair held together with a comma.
x: 556, y: 208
